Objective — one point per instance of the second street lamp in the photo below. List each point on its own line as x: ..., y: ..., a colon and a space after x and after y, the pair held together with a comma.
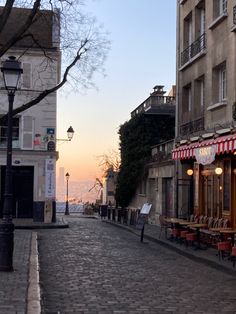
x: 12, y: 71
x: 67, y: 202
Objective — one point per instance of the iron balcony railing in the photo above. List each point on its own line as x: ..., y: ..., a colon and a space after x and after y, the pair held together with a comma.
x: 192, y: 127
x: 191, y: 51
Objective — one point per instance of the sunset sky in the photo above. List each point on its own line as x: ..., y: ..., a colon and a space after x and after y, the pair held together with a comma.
x: 142, y: 55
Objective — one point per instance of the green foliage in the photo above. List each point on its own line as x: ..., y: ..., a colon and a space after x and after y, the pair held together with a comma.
x: 136, y: 138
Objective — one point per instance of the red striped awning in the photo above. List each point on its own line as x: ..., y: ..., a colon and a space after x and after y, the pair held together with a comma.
x: 221, y: 144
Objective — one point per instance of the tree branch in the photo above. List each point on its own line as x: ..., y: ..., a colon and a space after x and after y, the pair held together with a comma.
x: 46, y: 92
x: 5, y: 14
x: 21, y: 30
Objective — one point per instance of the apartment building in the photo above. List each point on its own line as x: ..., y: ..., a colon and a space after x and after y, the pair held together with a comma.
x: 34, y: 130
x: 205, y: 143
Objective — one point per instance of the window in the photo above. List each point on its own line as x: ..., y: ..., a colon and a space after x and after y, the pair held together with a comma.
x: 187, y: 98
x: 222, y: 84
x: 188, y: 31
x: 200, y: 19
x: 219, y: 8
x: 15, y: 133
x: 219, y: 83
x: 26, y: 80
x: 199, y: 95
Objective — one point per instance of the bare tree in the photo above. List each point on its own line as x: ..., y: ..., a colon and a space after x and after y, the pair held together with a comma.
x: 110, y: 160
x: 83, y: 44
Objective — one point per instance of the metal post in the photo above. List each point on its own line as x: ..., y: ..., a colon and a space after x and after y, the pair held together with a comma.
x: 7, y: 226
x: 67, y: 204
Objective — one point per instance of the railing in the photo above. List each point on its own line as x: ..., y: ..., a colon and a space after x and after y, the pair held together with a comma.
x: 192, y: 50
x: 162, y: 152
x: 192, y: 127
x: 153, y: 101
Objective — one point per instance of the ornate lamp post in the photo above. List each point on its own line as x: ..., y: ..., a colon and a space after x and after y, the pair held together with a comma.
x: 67, y: 203
x: 12, y: 71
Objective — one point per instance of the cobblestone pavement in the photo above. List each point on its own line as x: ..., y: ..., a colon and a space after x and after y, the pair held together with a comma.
x: 14, y: 285
x: 94, y: 267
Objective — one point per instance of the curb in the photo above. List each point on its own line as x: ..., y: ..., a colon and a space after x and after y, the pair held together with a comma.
x: 33, y: 297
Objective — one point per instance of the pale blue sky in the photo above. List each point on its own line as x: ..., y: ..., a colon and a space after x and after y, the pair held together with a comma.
x: 142, y: 55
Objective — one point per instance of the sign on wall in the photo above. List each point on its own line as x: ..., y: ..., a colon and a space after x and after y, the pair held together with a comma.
x: 205, y: 155
x: 50, y: 175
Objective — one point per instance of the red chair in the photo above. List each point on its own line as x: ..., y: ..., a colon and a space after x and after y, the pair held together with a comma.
x: 233, y: 254
x: 182, y: 235
x: 223, y: 247
x: 191, y: 238
x: 175, y: 233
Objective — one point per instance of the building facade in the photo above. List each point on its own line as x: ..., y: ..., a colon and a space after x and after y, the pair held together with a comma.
x: 109, y: 187
x: 34, y: 130
x: 205, y: 143
x: 157, y: 187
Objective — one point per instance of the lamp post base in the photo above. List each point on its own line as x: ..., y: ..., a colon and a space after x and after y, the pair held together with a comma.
x: 67, y: 209
x: 6, y: 246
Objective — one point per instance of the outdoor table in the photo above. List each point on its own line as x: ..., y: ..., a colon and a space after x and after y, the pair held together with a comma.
x: 231, y: 232
x: 197, y: 226
x: 219, y: 229
x: 173, y: 221
x: 186, y: 223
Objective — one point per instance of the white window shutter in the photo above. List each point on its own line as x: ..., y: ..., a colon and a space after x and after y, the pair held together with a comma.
x: 2, y: 85
x: 26, y: 76
x: 27, y: 132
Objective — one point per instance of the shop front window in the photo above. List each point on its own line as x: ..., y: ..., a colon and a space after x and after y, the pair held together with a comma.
x: 212, y: 191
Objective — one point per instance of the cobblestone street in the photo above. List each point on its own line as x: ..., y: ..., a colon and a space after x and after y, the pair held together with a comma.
x: 94, y: 267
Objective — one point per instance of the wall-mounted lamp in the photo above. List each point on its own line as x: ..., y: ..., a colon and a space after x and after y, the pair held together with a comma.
x: 190, y: 172
x: 70, y: 134
x: 218, y: 171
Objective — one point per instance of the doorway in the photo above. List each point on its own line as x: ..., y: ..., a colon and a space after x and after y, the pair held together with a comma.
x: 23, y: 184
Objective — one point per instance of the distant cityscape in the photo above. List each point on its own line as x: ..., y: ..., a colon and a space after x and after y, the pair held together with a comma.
x: 78, y: 191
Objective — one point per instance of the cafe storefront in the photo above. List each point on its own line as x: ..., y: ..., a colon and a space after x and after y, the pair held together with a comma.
x: 211, y: 164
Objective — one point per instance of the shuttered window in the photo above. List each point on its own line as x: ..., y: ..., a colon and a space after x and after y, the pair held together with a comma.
x: 27, y: 132
x: 26, y: 76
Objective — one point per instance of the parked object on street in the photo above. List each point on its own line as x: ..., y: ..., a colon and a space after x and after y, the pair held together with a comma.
x: 142, y: 218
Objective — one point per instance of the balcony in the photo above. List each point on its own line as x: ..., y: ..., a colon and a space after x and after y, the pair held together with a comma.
x: 162, y: 105
x: 162, y: 152
x: 193, y: 50
x: 192, y: 127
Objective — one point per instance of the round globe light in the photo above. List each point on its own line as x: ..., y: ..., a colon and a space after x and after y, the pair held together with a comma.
x: 190, y: 172
x: 218, y: 171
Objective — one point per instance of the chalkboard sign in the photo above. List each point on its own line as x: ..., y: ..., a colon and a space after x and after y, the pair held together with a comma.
x: 141, y: 221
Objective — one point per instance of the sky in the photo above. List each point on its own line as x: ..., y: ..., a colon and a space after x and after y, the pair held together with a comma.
x: 142, y: 55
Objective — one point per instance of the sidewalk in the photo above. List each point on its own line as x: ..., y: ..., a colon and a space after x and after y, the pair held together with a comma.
x: 206, y: 256
x: 19, y: 289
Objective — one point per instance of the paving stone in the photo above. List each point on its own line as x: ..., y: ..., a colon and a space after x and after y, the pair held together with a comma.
x: 94, y: 267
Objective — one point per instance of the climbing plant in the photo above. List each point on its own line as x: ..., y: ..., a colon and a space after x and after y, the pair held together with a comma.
x: 136, y: 138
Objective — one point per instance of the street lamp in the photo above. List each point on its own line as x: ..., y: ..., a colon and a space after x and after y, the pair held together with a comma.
x: 70, y: 134
x: 67, y: 204
x: 12, y: 71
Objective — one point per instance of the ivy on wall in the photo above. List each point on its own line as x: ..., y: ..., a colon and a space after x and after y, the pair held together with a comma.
x: 136, y: 138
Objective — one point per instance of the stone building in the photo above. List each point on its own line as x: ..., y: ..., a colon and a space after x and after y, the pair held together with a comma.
x: 205, y: 144
x: 157, y: 187
x: 34, y: 130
